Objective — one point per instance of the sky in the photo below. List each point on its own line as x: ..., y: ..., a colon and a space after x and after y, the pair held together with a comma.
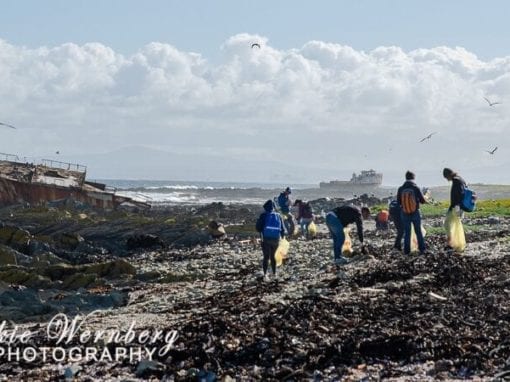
x: 174, y: 89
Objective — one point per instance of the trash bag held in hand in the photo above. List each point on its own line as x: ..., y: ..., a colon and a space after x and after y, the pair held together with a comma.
x: 312, y: 229
x: 282, y: 251
x: 347, y: 247
x: 455, y: 231
x: 414, y: 239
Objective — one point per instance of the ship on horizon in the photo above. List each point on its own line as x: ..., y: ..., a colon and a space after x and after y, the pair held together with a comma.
x: 366, y: 180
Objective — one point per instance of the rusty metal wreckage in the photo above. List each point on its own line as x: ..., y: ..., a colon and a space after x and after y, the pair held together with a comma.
x: 50, y: 180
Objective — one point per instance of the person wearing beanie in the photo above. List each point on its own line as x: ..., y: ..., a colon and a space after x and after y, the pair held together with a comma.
x: 284, y: 203
x: 270, y: 226
x: 409, y: 197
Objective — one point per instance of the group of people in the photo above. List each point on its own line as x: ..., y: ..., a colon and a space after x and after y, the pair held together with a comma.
x: 404, y: 211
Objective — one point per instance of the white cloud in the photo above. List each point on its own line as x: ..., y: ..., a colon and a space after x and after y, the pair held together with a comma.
x: 323, y: 105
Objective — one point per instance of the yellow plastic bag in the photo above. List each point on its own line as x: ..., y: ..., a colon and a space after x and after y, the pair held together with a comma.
x: 312, y: 229
x: 414, y: 239
x: 455, y: 231
x: 347, y: 247
x: 281, y: 251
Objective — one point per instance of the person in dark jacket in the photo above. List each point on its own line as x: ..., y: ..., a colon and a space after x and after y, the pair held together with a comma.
x: 271, y: 227
x: 456, y: 196
x: 396, y: 218
x: 409, y: 197
x: 458, y: 187
x: 305, y: 215
x: 284, y: 203
x: 337, y: 220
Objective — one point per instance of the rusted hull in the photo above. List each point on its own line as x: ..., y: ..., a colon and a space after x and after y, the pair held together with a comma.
x: 13, y: 192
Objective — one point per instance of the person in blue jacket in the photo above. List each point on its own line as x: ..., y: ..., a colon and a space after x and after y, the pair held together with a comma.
x: 284, y: 203
x: 337, y: 219
x: 270, y: 226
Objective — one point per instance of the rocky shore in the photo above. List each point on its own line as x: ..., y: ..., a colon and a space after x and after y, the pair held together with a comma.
x: 385, y: 317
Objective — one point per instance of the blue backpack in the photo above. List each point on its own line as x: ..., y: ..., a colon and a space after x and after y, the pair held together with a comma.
x: 468, y: 203
x: 272, y: 226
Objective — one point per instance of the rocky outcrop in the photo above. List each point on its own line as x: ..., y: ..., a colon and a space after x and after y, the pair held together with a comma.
x: 28, y: 304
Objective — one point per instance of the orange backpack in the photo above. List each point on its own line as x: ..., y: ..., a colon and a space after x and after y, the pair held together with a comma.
x: 408, y: 201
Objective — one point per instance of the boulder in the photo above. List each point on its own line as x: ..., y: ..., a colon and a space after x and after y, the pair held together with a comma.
x: 79, y: 280
x: 7, y: 255
x: 70, y: 240
x: 21, y: 276
x: 111, y: 269
x: 144, y: 241
x: 192, y: 238
x: 59, y: 271
x: 37, y: 247
x: 6, y: 233
x: 17, y: 305
x: 46, y: 259
x: 16, y: 238
x: 20, y: 240
x: 149, y: 276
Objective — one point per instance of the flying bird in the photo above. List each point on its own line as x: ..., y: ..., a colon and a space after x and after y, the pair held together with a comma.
x: 5, y: 124
x: 57, y: 152
x: 492, y: 151
x: 491, y: 103
x: 428, y: 136
x: 255, y: 45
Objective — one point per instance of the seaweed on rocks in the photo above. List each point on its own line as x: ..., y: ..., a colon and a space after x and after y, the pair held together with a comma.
x: 382, y: 316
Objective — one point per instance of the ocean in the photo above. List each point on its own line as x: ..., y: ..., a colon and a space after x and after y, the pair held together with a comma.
x: 163, y: 192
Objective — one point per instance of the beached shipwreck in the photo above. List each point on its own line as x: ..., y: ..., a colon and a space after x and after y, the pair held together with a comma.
x: 52, y: 181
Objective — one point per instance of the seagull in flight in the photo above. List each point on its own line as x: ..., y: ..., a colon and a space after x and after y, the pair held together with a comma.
x: 428, y: 136
x: 5, y: 124
x: 255, y: 45
x: 492, y: 151
x: 491, y: 103
x: 57, y: 152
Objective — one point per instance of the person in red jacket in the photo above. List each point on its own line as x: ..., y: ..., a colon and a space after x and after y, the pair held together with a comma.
x: 382, y: 220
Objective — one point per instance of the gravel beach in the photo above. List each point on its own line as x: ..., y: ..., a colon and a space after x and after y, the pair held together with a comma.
x: 384, y: 316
